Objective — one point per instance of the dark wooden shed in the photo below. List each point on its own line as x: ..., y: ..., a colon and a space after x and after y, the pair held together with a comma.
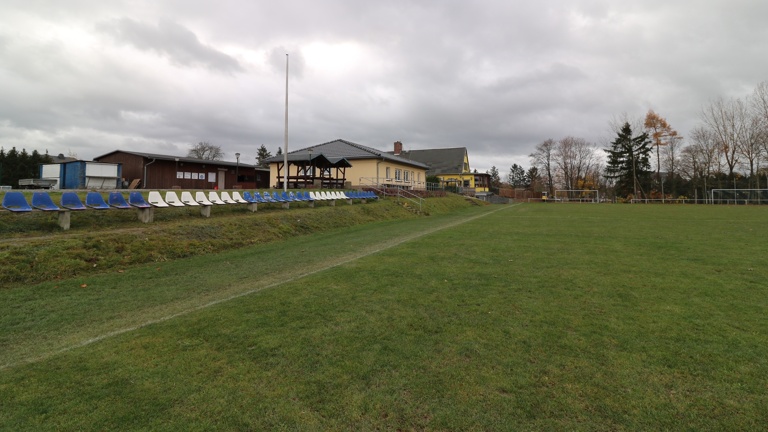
x: 156, y: 171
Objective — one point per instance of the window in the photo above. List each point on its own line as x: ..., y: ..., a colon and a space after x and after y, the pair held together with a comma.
x: 398, y: 174
x: 406, y: 176
x: 389, y: 174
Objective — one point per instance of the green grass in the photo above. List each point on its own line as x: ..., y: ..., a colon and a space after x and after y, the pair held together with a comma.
x: 533, y: 317
x: 33, y: 248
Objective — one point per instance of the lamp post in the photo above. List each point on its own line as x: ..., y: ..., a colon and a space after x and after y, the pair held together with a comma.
x: 237, y: 167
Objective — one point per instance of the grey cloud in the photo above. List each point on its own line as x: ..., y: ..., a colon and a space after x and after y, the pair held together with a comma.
x: 172, y: 40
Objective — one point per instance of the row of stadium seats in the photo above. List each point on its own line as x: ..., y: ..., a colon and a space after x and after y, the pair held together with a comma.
x: 16, y: 202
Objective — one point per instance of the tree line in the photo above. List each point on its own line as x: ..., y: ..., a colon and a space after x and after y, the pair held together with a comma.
x: 16, y: 165
x: 648, y: 158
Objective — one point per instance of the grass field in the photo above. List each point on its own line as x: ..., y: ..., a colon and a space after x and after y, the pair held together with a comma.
x: 528, y: 317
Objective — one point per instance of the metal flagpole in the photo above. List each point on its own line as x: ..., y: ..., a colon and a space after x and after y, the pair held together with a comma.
x: 285, y: 150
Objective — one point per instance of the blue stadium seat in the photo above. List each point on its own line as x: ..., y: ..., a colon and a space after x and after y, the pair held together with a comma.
x: 285, y: 197
x: 15, y: 202
x: 117, y: 200
x: 43, y: 201
x: 135, y: 199
x: 70, y: 201
x: 276, y: 197
x: 96, y: 201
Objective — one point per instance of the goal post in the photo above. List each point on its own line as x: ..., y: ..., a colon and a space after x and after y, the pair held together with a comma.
x: 739, y: 196
x: 577, y: 195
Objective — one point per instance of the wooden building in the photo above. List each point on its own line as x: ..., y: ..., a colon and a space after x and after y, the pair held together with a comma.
x: 156, y: 171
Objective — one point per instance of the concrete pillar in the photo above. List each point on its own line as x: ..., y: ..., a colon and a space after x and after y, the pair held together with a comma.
x: 286, y: 205
x: 252, y: 207
x: 146, y: 215
x: 64, y: 219
x: 311, y: 204
x: 205, y: 210
x: 332, y: 203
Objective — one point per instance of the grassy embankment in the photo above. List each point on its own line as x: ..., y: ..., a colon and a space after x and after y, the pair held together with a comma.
x: 567, y: 317
x: 33, y: 248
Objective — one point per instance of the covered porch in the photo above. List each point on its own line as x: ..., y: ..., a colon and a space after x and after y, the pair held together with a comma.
x: 306, y: 170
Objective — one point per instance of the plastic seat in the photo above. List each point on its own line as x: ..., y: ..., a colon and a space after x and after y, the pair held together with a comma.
x: 315, y: 196
x: 43, y: 201
x: 276, y: 197
x: 226, y: 198
x: 173, y: 199
x: 156, y: 199
x: 296, y: 196
x: 237, y: 198
x: 15, y: 202
x: 70, y: 201
x: 116, y: 200
x: 257, y: 197
x: 267, y: 197
x: 285, y: 197
x: 214, y: 198
x: 248, y: 197
x: 201, y: 199
x: 135, y: 199
x: 307, y: 196
x: 186, y: 198
x: 94, y: 200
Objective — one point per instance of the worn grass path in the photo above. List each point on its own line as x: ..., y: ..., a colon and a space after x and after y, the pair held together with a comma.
x: 90, y: 309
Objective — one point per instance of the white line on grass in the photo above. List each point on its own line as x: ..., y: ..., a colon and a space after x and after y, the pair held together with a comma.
x: 244, y: 293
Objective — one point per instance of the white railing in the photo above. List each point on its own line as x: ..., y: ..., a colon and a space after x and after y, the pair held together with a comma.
x: 383, y: 182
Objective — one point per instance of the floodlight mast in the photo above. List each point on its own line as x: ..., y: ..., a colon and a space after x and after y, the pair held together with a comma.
x: 285, y: 150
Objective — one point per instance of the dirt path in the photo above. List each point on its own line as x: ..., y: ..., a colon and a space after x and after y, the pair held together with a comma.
x: 63, y: 343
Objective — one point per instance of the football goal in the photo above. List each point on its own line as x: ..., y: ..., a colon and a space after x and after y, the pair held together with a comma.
x: 577, y: 195
x: 739, y: 196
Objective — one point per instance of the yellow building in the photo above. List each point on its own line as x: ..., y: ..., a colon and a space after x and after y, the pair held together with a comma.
x: 450, y: 165
x: 343, y: 164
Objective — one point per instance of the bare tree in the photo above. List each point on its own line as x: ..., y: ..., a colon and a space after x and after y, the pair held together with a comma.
x: 542, y: 159
x: 703, y: 155
x: 751, y: 140
x: 670, y: 160
x: 205, y: 150
x: 574, y: 158
x: 725, y: 122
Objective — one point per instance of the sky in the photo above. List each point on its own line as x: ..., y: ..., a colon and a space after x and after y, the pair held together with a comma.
x: 85, y: 78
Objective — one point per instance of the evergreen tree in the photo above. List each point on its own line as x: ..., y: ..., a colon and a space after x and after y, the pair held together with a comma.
x: 495, y: 179
x: 279, y: 151
x: 262, y: 155
x: 517, y: 177
x: 629, y: 163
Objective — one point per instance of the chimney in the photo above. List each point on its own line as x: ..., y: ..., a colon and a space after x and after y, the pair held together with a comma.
x: 398, y: 148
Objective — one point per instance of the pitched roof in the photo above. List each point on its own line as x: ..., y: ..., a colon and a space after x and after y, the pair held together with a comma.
x: 440, y: 161
x: 180, y: 159
x: 343, y: 149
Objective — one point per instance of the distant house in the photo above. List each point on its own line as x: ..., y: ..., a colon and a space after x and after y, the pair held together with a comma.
x: 344, y: 164
x: 450, y: 165
x: 157, y: 171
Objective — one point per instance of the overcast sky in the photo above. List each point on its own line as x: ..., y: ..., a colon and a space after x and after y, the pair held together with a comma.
x: 496, y: 76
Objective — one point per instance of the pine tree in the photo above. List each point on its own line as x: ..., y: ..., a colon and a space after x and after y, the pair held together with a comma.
x: 629, y: 163
x: 262, y: 155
